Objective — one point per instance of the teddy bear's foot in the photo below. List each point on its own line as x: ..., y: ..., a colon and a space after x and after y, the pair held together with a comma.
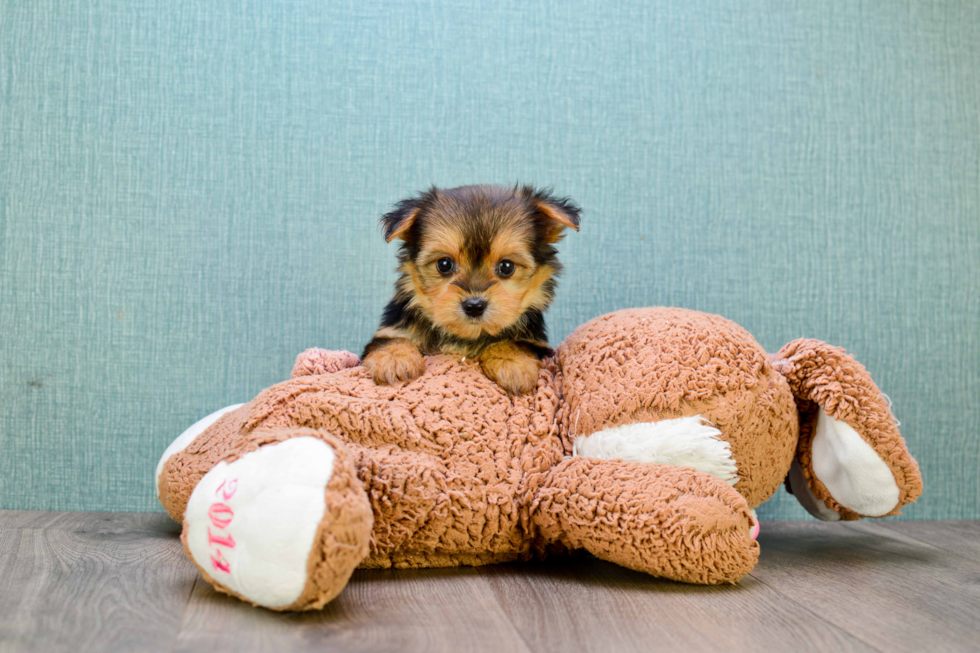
x: 282, y: 526
x: 664, y: 520
x: 188, y: 436
x: 193, y: 454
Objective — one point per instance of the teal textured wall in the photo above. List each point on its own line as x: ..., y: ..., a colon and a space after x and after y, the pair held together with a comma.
x: 189, y: 195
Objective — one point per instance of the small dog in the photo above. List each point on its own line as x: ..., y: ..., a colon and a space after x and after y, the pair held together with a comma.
x: 478, y: 269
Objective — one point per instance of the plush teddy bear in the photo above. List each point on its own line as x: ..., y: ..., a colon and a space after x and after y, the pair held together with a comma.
x: 650, y: 438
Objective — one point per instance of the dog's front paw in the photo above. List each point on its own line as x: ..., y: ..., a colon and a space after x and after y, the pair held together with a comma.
x: 396, y: 360
x: 511, y: 367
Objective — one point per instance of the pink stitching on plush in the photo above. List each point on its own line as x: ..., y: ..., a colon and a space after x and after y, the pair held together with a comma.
x: 228, y: 541
x: 219, y: 563
x: 219, y: 509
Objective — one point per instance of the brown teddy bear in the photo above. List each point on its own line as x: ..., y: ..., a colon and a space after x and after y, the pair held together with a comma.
x: 650, y: 438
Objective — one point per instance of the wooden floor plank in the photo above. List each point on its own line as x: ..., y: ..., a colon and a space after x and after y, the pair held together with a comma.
x: 895, y: 593
x: 91, y: 582
x: 429, y: 610
x: 110, y: 581
x: 57, y: 521
x: 584, y: 604
x: 961, y: 538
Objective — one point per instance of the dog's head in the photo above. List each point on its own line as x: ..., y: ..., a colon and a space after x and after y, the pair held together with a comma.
x: 475, y: 259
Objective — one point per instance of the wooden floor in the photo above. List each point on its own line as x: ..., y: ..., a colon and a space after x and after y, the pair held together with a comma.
x: 120, y: 582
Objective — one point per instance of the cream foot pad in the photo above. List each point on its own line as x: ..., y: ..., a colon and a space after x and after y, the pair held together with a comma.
x: 251, y: 524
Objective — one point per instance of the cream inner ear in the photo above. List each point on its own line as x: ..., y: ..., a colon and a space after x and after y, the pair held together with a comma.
x: 852, y: 472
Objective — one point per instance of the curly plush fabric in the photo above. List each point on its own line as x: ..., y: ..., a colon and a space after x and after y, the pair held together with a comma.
x: 444, y: 458
x: 448, y: 469
x: 824, y: 377
x: 320, y: 361
x: 183, y: 470
x: 648, y: 365
x: 341, y: 540
x: 659, y: 519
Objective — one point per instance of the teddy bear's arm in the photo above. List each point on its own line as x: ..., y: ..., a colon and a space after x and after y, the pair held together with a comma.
x: 323, y: 361
x: 410, y: 493
x: 667, y: 521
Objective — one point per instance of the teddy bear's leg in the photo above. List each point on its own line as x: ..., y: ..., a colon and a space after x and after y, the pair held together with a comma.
x: 429, y: 515
x: 200, y: 447
x: 283, y: 525
x: 851, y: 461
x: 668, y: 521
x: 193, y: 453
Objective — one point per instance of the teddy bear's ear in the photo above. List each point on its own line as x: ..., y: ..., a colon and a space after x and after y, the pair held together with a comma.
x: 851, y: 461
x: 555, y: 213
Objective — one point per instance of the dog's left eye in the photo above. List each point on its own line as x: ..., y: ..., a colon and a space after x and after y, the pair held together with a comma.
x: 444, y: 265
x: 505, y: 268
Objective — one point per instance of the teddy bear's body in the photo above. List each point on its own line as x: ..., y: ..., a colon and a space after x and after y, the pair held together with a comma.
x: 648, y: 440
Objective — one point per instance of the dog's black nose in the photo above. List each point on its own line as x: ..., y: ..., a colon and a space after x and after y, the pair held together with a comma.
x: 474, y: 307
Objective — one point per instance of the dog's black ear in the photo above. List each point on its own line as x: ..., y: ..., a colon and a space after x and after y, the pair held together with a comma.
x: 556, y: 213
x: 397, y: 222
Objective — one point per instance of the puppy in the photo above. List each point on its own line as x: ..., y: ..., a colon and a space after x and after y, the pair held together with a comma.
x: 478, y: 269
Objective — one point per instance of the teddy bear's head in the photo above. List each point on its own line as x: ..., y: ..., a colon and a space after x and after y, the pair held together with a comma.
x: 674, y: 386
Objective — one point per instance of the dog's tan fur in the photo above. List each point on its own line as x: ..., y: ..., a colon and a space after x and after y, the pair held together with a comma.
x: 479, y: 229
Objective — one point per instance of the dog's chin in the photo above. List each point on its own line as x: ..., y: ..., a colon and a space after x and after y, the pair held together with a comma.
x: 470, y: 328
x: 466, y: 328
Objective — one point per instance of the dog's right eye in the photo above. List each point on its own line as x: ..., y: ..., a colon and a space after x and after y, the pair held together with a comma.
x: 445, y: 265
